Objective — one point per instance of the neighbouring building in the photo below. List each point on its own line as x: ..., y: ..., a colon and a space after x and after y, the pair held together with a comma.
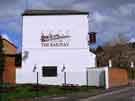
x: 121, y: 55
x: 55, y: 42
x: 9, y: 75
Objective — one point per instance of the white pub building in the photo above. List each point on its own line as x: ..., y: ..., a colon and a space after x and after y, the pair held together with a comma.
x: 55, y: 42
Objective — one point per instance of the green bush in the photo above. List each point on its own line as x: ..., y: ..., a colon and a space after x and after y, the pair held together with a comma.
x: 131, y: 73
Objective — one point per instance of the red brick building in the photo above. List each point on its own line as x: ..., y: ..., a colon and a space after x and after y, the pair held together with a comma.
x: 9, y: 75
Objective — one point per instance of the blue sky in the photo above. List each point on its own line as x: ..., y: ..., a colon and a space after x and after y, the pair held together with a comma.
x: 107, y: 17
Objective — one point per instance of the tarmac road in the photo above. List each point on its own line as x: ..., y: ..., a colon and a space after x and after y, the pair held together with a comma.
x: 121, y: 95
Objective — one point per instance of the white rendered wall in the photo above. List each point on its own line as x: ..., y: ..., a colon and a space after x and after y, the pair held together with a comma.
x: 74, y: 25
x: 76, y: 57
x: 74, y: 61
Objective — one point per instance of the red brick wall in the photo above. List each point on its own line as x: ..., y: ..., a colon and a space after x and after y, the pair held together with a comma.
x: 9, y: 75
x: 117, y: 77
x: 10, y: 70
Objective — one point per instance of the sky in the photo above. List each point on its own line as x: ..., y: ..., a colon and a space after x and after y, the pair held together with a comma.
x: 108, y: 18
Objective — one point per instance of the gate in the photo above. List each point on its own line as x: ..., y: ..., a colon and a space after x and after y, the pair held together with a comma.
x: 96, y: 77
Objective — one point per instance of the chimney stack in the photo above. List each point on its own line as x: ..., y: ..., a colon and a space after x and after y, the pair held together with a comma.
x: 92, y: 37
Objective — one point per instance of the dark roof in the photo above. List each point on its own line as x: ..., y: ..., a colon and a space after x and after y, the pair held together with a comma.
x: 53, y: 12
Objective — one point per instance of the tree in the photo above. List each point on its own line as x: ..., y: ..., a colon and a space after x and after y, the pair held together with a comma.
x: 99, y: 49
x: 2, y: 59
x: 117, y: 50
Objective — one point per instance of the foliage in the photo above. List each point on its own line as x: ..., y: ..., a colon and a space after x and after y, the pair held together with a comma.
x: 131, y: 73
x: 99, y: 49
x: 118, y: 50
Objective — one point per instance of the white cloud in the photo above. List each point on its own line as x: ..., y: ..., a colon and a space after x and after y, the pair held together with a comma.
x: 126, y: 11
x: 49, y: 4
x: 107, y: 17
x: 14, y: 9
x: 98, y: 17
x: 83, y: 6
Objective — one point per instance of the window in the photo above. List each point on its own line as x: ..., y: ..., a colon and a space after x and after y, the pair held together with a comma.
x: 49, y: 71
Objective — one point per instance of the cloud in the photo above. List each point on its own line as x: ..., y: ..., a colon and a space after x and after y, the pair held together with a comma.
x: 110, y: 22
x: 99, y: 17
x: 10, y: 16
x: 83, y: 6
x: 49, y: 4
x: 127, y: 9
x: 7, y: 3
x: 11, y: 9
x: 106, y: 16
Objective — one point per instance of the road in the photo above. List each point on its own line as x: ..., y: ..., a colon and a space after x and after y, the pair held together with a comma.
x: 121, y: 95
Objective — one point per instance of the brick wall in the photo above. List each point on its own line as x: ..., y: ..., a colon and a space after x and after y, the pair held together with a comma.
x: 9, y: 75
x: 117, y: 77
x: 9, y: 70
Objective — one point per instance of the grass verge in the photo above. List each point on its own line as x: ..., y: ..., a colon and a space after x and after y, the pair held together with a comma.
x: 28, y: 90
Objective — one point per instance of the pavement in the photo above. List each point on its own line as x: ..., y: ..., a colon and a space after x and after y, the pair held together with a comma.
x: 132, y: 82
x: 125, y: 93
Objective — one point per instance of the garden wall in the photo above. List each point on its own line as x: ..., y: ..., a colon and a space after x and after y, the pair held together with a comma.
x: 117, y: 77
x: 9, y: 70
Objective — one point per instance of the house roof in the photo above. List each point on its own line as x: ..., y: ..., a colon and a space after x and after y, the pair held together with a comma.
x: 53, y: 12
x: 9, y: 42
